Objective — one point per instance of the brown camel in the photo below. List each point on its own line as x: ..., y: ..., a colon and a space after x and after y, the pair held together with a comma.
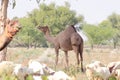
x: 11, y: 28
x: 66, y: 40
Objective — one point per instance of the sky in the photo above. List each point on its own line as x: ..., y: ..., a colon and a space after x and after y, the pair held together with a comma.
x: 94, y: 11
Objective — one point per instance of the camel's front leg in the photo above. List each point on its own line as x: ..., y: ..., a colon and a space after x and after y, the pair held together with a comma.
x: 57, y: 54
x: 66, y: 58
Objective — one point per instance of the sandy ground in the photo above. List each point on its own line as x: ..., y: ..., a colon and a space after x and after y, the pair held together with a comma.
x: 47, y: 56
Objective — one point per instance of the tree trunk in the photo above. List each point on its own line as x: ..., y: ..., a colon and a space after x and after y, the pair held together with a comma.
x: 3, y: 16
x: 4, y: 5
x: 3, y: 54
x: 115, y: 44
x: 92, y: 46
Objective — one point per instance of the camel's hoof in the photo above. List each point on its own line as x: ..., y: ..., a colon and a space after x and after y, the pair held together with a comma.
x: 82, y: 70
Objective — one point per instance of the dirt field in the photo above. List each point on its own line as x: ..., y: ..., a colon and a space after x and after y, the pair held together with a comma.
x: 47, y: 56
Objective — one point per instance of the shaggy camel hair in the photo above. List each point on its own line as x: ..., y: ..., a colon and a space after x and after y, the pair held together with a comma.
x: 11, y: 28
x: 66, y: 40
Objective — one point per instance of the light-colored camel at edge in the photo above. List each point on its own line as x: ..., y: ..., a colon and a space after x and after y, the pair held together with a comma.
x: 11, y: 29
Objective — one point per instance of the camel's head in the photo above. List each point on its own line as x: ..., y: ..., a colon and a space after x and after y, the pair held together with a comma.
x: 12, y: 27
x: 44, y: 29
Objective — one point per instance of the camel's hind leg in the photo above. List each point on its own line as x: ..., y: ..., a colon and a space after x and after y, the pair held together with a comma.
x: 66, y: 58
x: 81, y: 62
x: 57, y: 54
x: 81, y: 56
x: 76, y: 50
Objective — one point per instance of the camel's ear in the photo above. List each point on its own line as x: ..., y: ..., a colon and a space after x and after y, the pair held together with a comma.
x: 13, y: 22
x: 7, y: 21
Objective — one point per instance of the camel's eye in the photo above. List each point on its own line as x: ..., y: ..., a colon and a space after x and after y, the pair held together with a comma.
x: 11, y: 24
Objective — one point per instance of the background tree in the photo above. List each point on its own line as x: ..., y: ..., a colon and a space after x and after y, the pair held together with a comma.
x: 107, y: 30
x: 115, y: 21
x: 99, y: 34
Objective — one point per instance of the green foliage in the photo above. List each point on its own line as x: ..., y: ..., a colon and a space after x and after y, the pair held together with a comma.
x: 112, y: 78
x: 44, y: 78
x: 107, y: 31
x: 29, y: 77
x: 115, y: 21
x: 99, y: 34
x: 71, y: 70
x: 8, y: 77
x: 56, y: 17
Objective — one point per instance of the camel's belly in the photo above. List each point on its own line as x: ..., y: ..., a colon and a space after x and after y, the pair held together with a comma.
x: 63, y: 49
x: 66, y: 47
x: 65, y: 43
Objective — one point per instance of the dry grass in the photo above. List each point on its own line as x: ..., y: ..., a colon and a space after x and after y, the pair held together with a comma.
x: 47, y: 55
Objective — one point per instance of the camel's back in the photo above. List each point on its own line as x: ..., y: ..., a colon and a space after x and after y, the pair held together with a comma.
x: 67, y: 32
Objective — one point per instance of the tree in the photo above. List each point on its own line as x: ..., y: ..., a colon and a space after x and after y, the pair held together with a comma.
x: 99, y: 34
x: 3, y: 16
x: 107, y: 30
x: 90, y: 32
x: 115, y: 21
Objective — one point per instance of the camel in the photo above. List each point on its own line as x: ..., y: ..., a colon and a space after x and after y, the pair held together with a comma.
x: 66, y: 40
x: 11, y: 29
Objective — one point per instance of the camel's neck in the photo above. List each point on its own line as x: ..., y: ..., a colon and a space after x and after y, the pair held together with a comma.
x: 4, y: 40
x: 49, y: 37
